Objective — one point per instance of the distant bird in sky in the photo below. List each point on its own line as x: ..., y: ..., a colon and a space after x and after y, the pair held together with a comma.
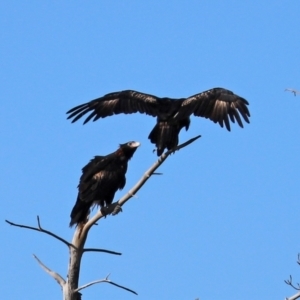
x: 295, y: 92
x: 100, y: 180
x: 217, y: 104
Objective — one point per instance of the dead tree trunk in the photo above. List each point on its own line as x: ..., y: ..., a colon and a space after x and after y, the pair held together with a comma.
x: 69, y: 286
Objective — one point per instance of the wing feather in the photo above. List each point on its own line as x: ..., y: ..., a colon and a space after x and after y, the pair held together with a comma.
x: 231, y: 114
x: 237, y: 116
x: 91, y: 116
x: 217, y: 105
x: 226, y: 119
x: 97, y: 164
x: 126, y: 102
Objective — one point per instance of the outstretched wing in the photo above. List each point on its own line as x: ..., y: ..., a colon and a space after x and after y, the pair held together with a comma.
x: 217, y: 105
x: 126, y: 102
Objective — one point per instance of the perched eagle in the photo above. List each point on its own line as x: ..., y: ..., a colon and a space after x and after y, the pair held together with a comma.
x: 100, y: 179
x: 217, y: 104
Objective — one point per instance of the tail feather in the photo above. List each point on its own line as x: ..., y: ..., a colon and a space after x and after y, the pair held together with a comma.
x: 79, y: 212
x: 164, y: 135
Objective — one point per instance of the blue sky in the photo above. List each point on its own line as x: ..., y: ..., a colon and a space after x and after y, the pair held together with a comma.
x: 222, y: 222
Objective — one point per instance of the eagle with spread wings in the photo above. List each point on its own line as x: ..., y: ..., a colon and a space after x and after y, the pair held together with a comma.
x: 218, y: 104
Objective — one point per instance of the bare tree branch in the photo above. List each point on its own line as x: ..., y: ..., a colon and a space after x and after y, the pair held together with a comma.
x: 122, y: 287
x: 136, y: 187
x: 152, y: 169
x: 89, y: 284
x: 294, y: 297
x: 101, y: 250
x: 40, y: 229
x: 107, y: 281
x: 54, y: 275
x: 290, y: 282
x: 295, y: 92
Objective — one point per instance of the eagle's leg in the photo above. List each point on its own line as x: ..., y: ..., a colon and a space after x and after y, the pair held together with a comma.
x: 113, y: 209
x: 117, y: 209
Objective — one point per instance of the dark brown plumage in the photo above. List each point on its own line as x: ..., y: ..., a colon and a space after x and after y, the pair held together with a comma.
x: 100, y: 180
x: 218, y: 104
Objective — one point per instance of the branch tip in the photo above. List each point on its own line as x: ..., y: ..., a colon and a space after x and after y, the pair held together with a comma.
x: 39, y: 223
x: 54, y: 275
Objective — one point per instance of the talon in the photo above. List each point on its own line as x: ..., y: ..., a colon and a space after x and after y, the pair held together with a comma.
x: 105, y: 211
x: 117, y: 209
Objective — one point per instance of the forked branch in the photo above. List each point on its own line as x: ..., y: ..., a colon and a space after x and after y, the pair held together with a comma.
x: 296, y: 287
x: 107, y: 281
x: 40, y: 229
x: 290, y: 282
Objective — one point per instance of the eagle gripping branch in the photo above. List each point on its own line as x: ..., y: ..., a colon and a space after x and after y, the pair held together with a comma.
x: 116, y: 207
